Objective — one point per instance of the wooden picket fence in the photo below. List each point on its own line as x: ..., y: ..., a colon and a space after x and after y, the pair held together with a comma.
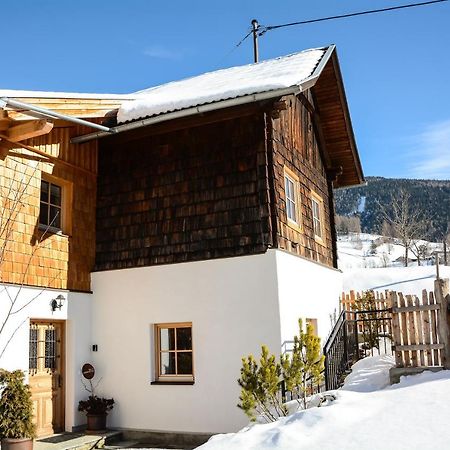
x: 349, y: 299
x: 415, y: 330
x: 419, y: 327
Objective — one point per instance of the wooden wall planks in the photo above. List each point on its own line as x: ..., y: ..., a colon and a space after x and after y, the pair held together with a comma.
x: 189, y: 194
x: 295, y: 146
x: 53, y: 260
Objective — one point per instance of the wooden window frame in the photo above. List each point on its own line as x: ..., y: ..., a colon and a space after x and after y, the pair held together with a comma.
x: 66, y: 205
x: 319, y: 200
x: 314, y: 323
x: 173, y: 378
x: 291, y: 176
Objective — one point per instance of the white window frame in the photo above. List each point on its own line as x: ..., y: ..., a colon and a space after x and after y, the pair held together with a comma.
x: 318, y: 216
x: 292, y: 198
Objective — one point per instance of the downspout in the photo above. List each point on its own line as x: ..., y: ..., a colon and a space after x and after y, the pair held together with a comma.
x: 332, y: 223
x: 270, y: 180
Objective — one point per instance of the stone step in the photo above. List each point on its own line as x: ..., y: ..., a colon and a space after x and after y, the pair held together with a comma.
x: 122, y: 444
x: 77, y: 441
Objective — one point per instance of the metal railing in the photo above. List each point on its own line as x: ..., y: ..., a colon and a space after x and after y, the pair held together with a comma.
x: 356, y: 334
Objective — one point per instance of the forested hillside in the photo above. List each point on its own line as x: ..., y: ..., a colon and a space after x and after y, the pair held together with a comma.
x: 428, y: 198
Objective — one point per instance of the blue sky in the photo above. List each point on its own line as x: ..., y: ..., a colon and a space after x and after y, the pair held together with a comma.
x: 395, y: 65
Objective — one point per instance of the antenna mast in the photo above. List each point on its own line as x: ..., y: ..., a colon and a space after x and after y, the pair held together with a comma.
x: 255, y: 27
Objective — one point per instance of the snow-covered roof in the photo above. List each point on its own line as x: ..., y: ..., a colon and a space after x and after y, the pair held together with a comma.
x: 15, y: 93
x: 271, y: 75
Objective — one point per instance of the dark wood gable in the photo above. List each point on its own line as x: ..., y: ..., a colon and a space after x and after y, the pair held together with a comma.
x: 187, y: 194
x: 213, y: 185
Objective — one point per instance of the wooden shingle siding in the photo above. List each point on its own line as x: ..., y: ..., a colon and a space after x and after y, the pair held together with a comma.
x: 61, y: 260
x: 190, y: 194
x: 295, y: 146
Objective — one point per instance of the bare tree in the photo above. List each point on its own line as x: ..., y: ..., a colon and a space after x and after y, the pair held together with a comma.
x: 14, y: 193
x: 407, y: 220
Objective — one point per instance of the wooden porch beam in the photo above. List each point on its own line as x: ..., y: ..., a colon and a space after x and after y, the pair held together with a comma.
x: 51, y: 158
x: 28, y: 130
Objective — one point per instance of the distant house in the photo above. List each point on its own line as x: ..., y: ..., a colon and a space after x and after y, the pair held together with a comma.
x: 197, y: 228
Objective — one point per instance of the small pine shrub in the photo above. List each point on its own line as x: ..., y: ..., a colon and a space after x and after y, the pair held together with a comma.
x: 16, y: 407
x: 371, y: 328
x: 260, y: 383
x: 305, y: 365
x: 260, y: 387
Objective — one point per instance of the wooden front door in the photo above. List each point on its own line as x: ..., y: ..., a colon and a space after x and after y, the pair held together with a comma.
x: 46, y: 369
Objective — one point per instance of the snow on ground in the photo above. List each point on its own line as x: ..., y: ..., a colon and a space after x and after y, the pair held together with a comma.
x: 369, y: 264
x: 365, y: 416
x: 362, y: 250
x: 409, y: 280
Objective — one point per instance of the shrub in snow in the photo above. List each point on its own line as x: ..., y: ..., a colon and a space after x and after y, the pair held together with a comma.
x: 372, y: 328
x: 260, y: 394
x: 305, y: 365
x: 260, y: 383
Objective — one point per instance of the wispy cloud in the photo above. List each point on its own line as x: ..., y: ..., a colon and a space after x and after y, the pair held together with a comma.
x: 161, y: 52
x: 429, y: 155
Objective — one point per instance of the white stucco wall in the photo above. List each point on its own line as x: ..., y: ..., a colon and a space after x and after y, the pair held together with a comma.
x: 232, y: 304
x: 78, y: 352
x: 306, y: 290
x: 76, y: 314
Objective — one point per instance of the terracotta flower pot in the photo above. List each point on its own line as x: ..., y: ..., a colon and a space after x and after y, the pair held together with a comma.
x: 95, y: 423
x: 17, y: 444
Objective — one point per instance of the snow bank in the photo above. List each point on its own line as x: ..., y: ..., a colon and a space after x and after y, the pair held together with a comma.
x: 369, y: 374
x: 406, y: 416
x: 210, y: 87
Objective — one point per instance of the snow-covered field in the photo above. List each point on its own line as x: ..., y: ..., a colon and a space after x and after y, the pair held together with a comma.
x: 368, y: 414
x: 369, y: 266
x: 362, y: 250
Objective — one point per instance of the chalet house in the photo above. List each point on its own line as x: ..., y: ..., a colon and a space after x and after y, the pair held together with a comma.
x: 193, y: 225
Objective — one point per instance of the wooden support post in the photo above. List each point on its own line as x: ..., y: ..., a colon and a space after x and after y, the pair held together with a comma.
x: 441, y: 291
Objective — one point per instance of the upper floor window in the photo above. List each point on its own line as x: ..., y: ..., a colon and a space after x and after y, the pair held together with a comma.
x: 318, y: 215
x: 55, y: 209
x: 50, y: 213
x: 291, y: 189
x: 174, y: 352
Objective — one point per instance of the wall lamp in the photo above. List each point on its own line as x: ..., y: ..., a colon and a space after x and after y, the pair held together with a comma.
x: 57, y: 303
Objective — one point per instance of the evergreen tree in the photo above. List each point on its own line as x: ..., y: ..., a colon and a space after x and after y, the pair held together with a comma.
x: 260, y: 383
x: 260, y: 394
x: 16, y: 407
x: 305, y: 365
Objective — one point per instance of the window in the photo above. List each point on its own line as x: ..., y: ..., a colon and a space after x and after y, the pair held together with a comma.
x: 317, y: 215
x: 313, y: 323
x: 292, y: 197
x: 174, y: 358
x: 55, y: 204
x: 50, y: 212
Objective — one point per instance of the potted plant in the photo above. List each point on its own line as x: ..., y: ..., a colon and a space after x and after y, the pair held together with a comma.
x: 96, y: 409
x: 17, y: 429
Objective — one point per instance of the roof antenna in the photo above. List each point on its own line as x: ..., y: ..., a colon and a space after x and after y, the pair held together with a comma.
x: 255, y: 27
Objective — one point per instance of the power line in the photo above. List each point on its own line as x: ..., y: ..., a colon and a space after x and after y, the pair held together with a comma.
x: 265, y: 29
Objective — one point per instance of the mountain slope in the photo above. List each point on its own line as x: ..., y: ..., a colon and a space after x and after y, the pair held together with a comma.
x: 431, y: 197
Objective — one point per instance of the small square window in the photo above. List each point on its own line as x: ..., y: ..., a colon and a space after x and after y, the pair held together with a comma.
x: 174, y: 355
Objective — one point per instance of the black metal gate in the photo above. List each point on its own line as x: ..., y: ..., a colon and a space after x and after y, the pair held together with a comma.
x: 356, y: 334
